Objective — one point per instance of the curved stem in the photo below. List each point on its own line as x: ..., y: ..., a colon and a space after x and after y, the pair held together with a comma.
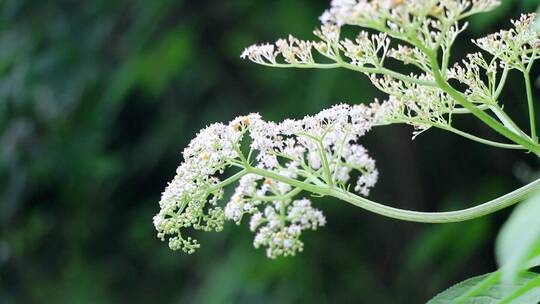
x: 408, y: 215
x: 440, y: 217
x: 483, y: 140
x: 470, y: 136
x: 502, y: 82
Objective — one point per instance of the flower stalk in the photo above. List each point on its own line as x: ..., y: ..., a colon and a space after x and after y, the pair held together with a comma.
x: 530, y: 103
x: 322, y: 155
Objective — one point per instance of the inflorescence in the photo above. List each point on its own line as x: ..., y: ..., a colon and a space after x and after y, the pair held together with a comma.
x: 273, y: 163
x: 317, y: 150
x: 411, y: 32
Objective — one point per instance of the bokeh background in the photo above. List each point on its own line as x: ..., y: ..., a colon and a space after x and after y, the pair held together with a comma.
x: 97, y: 100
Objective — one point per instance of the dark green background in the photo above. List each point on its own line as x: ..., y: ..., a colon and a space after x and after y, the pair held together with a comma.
x: 97, y: 100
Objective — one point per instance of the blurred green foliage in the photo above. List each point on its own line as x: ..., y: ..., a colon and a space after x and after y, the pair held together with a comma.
x: 480, y: 289
x: 98, y: 98
x: 517, y: 250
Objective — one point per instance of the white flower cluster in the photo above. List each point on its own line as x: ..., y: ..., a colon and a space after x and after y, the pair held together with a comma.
x: 410, y: 55
x: 429, y: 28
x: 317, y: 143
x: 276, y: 162
x: 279, y: 231
x: 190, y: 200
x: 420, y: 106
x: 319, y: 150
x: 400, y: 15
x: 430, y: 23
x: 517, y: 47
x: 294, y: 51
x: 471, y: 73
x: 365, y: 51
x: 405, y: 19
x: 277, y: 220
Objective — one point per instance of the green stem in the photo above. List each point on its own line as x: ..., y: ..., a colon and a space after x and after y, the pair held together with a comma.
x: 407, y: 215
x: 325, y: 164
x: 490, y: 121
x: 458, y: 111
x: 228, y: 181
x: 467, y: 135
x: 270, y: 198
x: 506, y: 120
x: 446, y: 59
x: 293, y: 182
x: 502, y: 82
x: 440, y: 217
x: 343, y: 64
x: 385, y: 71
x: 483, y: 140
x: 530, y: 101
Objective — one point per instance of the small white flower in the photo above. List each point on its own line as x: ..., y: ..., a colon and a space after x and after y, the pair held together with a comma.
x: 471, y: 73
x: 515, y: 47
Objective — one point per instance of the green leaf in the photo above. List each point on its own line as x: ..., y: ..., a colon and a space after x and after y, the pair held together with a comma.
x: 489, y: 289
x: 535, y: 260
x: 537, y: 21
x: 519, y: 239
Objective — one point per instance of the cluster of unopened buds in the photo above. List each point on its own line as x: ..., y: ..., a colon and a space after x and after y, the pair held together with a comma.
x: 272, y: 164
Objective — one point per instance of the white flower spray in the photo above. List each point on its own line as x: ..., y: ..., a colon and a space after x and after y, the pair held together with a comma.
x: 317, y: 150
x: 275, y: 163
